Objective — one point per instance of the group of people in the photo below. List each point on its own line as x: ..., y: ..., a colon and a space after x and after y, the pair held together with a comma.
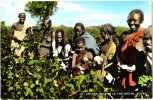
x: 122, y: 63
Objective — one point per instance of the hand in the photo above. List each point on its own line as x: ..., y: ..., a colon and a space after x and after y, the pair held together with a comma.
x: 80, y: 68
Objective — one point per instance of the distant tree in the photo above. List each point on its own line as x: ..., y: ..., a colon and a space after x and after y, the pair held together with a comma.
x: 120, y: 29
x: 41, y: 9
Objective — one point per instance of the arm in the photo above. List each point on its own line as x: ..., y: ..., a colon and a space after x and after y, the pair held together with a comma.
x: 74, y: 60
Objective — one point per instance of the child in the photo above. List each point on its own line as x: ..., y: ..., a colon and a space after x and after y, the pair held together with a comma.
x: 147, y: 40
x: 107, y: 52
x: 80, y: 57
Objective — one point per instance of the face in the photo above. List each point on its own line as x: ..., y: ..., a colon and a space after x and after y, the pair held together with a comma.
x: 44, y: 25
x: 134, y: 22
x: 78, y: 31
x: 59, y: 37
x: 22, y: 18
x: 80, y: 47
x: 147, y: 40
x: 106, y: 36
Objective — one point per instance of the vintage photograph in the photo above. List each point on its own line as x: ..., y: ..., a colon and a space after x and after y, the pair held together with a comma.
x: 82, y: 49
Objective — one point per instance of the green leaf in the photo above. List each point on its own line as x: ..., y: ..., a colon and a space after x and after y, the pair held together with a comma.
x: 26, y: 84
x: 28, y: 92
x: 17, y: 85
x: 51, y: 90
x: 29, y: 72
x: 46, y: 80
x: 100, y: 96
x: 80, y: 78
x: 32, y: 85
x: 31, y: 62
x: 41, y: 91
x: 10, y: 88
x: 21, y: 98
x: 92, y: 72
x: 10, y: 75
x: 106, y: 89
x: 37, y: 75
x: 71, y: 86
x: 91, y: 90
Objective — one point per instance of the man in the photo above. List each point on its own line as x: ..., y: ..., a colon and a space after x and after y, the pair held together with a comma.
x: 131, y: 58
x: 90, y: 42
x: 19, y: 31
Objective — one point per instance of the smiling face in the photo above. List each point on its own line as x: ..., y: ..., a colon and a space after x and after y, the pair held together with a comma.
x: 59, y: 37
x: 78, y: 31
x: 22, y: 18
x: 134, y: 22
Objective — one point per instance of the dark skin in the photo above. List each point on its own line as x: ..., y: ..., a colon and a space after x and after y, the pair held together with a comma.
x: 18, y: 26
x: 134, y: 25
x: 50, y: 35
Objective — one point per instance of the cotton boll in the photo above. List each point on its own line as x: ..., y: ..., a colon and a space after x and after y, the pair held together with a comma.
x: 85, y: 59
x: 109, y: 77
x: 98, y: 60
x: 63, y: 66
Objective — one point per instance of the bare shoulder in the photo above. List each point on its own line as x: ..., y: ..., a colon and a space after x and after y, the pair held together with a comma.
x: 15, y: 25
x: 75, y: 54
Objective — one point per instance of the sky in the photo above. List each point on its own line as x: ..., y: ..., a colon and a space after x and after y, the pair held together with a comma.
x: 89, y: 12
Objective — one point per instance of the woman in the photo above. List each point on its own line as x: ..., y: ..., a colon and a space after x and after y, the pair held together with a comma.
x: 62, y: 46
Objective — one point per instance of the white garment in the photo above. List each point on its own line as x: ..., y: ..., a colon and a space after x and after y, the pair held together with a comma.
x: 17, y: 48
x: 149, y: 58
x: 58, y: 50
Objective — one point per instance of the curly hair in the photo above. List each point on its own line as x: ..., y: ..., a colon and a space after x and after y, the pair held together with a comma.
x: 108, y: 28
x: 137, y: 11
x: 22, y: 13
x: 79, y: 40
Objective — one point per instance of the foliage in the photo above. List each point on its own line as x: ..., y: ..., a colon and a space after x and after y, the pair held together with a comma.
x: 145, y: 84
x: 5, y: 40
x: 144, y: 80
x: 38, y: 77
x: 47, y: 8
